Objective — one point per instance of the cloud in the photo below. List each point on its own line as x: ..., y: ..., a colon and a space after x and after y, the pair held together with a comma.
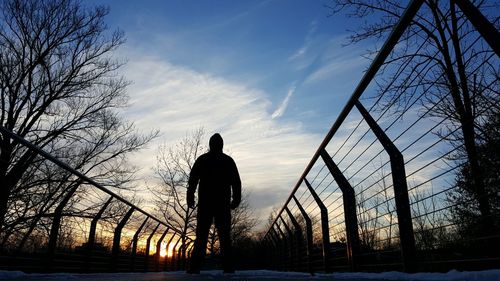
x: 335, y: 67
x: 313, y: 26
x: 270, y: 154
x: 284, y: 104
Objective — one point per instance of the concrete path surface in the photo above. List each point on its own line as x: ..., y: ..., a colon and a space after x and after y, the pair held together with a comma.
x: 255, y: 275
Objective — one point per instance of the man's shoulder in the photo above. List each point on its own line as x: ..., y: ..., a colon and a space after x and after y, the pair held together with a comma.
x: 212, y: 157
x: 227, y: 157
x: 202, y: 158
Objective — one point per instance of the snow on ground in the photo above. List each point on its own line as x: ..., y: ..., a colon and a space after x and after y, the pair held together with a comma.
x: 487, y: 275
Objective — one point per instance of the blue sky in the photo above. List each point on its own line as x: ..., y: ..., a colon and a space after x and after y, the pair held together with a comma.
x: 270, y: 76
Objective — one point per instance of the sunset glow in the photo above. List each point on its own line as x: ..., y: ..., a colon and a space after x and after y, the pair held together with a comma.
x: 163, y: 251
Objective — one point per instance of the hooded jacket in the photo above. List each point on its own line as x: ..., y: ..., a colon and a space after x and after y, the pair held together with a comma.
x: 217, y: 176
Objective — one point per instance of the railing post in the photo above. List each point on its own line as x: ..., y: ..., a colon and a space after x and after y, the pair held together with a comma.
x: 56, y: 224
x: 92, y: 230
x: 93, y: 224
x: 158, y: 249
x: 297, y: 238
x: 134, y: 243
x: 148, y: 245
x: 190, y: 251
x: 403, y: 211
x: 183, y: 254
x: 325, y: 229
x: 168, y: 260
x: 187, y: 257
x: 481, y: 23
x: 289, y: 244
x: 273, y: 252
x: 117, y: 237
x: 309, y: 236
x: 279, y: 247
x: 174, y: 254
x: 264, y: 250
x: 350, y: 216
x: 179, y: 255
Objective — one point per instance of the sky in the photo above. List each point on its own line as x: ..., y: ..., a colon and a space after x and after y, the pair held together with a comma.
x: 270, y: 76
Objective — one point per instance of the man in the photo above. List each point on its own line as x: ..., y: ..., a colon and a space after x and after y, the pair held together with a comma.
x: 218, y: 179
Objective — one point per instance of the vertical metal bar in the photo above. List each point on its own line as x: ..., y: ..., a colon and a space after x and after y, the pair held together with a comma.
x: 148, y: 245
x: 325, y: 229
x: 168, y: 260
x: 350, y: 216
x: 290, y: 244
x: 272, y: 251
x: 134, y: 243
x: 179, y: 256
x: 309, y: 236
x: 294, y: 221
x: 190, y: 251
x: 174, y: 254
x: 56, y: 224
x: 279, y: 249
x: 93, y: 224
x: 118, y: 231
x: 186, y: 251
x: 117, y: 237
x: 267, y: 250
x: 481, y: 23
x: 158, y: 248
x: 297, y: 238
x: 403, y: 211
x: 92, y: 230
x: 185, y: 246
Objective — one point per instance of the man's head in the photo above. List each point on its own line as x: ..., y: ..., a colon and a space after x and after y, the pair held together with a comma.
x: 216, y: 143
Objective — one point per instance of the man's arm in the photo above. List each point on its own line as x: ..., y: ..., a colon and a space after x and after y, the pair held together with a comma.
x: 194, y: 178
x: 236, y: 187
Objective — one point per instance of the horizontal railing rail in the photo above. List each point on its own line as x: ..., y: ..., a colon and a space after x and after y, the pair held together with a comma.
x: 90, y: 255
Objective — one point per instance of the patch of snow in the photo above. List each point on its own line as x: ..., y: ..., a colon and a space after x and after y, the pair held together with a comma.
x: 454, y: 275
x: 11, y: 274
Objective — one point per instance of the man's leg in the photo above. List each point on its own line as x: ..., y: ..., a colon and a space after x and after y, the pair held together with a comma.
x: 204, y: 221
x: 223, y: 224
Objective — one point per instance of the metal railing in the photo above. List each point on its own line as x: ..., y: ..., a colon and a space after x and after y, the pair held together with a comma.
x: 91, y: 228
x: 374, y: 195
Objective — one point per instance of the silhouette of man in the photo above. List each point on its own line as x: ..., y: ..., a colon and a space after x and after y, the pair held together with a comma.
x: 218, y: 178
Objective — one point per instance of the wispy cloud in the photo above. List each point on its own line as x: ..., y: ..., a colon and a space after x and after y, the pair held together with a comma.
x: 334, y: 67
x: 313, y: 26
x: 284, y: 104
x: 176, y: 100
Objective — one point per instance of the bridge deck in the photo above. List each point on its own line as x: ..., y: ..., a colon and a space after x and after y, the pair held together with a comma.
x: 255, y: 275
x: 171, y: 276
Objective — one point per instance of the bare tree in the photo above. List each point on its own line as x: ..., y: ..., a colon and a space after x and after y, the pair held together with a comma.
x: 368, y: 213
x: 60, y: 91
x: 464, y: 210
x: 443, y: 60
x: 173, y: 166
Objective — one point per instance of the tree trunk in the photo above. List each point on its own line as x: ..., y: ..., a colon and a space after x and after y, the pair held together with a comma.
x: 467, y: 122
x: 475, y: 170
x: 5, y: 187
x: 464, y: 110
